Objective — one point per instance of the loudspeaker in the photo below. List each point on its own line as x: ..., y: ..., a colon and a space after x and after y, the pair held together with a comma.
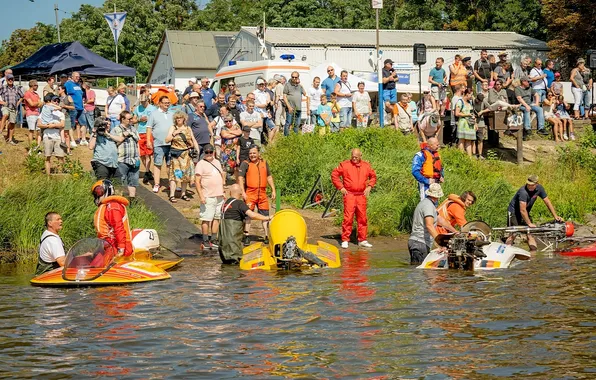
x: 419, y: 54
x: 592, y: 59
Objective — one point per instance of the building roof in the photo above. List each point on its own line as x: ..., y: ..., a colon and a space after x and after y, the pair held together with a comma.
x: 198, y: 49
x: 353, y: 38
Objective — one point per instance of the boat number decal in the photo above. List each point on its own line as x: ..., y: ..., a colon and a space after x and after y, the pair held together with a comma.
x: 501, y: 249
x: 151, y: 235
x: 259, y: 264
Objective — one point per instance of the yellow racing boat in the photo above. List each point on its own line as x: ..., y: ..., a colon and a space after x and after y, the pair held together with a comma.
x: 288, y: 247
x: 92, y: 262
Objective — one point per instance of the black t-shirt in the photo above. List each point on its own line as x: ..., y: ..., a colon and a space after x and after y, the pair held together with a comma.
x: 234, y: 111
x: 483, y: 68
x: 213, y: 111
x: 200, y: 128
x: 234, y: 209
x: 244, y: 147
x: 525, y: 195
x: 391, y: 84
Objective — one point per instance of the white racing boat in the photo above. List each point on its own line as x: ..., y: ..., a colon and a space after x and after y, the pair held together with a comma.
x: 472, y: 250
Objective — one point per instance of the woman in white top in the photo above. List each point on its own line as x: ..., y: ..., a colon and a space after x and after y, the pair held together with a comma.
x: 429, y: 123
x: 361, y: 105
x: 114, y: 106
x: 548, y: 106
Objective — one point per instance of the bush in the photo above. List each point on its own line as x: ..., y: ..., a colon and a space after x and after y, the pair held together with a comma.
x: 24, y: 204
x: 297, y: 160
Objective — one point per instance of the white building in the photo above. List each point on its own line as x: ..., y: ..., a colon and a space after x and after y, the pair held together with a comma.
x: 355, y: 49
x: 185, y: 54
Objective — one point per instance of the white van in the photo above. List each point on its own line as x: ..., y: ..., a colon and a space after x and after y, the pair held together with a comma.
x: 245, y: 74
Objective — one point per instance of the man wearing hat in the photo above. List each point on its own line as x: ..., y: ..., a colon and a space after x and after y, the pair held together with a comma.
x: 389, y: 89
x: 502, y: 58
x: 11, y: 97
x: 467, y: 63
x: 518, y: 213
x: 193, y: 101
x: 525, y: 94
x: 209, y: 180
x: 424, y: 225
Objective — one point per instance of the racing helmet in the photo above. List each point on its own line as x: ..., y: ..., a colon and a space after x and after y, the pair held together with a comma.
x: 100, y: 189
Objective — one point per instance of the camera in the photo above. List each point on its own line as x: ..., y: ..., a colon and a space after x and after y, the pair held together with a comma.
x: 100, y: 128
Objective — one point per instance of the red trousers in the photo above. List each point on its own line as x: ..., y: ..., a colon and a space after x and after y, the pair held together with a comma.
x: 354, y: 204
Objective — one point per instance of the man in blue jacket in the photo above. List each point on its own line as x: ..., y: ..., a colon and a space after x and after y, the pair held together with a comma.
x: 427, y: 167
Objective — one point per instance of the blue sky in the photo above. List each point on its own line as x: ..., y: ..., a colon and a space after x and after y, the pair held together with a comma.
x: 23, y: 14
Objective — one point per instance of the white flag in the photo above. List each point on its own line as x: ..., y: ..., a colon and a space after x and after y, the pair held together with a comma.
x: 116, y: 22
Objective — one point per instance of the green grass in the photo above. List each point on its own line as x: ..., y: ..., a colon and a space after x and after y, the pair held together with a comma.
x: 568, y: 178
x: 24, y: 204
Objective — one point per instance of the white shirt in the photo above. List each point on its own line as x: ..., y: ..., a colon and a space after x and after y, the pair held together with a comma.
x: 115, y: 106
x: 315, y: 97
x: 54, y: 133
x: 539, y: 84
x: 362, y: 102
x: 344, y: 88
x: 261, y: 97
x: 51, y: 247
x: 255, y: 133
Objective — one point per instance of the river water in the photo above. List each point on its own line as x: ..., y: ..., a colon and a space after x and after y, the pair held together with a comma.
x: 374, y: 318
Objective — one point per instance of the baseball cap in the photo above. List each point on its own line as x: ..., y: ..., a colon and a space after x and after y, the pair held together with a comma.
x: 557, y: 74
x: 63, y: 76
x: 193, y: 80
x: 502, y: 53
x: 277, y: 77
x: 532, y: 179
x: 524, y: 78
x: 260, y: 81
x: 194, y: 95
x: 9, y: 76
x: 388, y: 61
x: 246, y: 128
x: 466, y: 59
x: 581, y: 60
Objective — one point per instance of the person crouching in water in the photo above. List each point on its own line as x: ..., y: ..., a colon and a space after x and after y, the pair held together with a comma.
x: 51, y: 248
x: 231, y: 227
x: 111, y: 218
x: 453, y: 210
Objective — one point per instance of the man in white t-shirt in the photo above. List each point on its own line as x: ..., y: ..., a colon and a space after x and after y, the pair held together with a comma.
x: 51, y: 248
x: 263, y: 104
x: 314, y: 93
x: 251, y: 118
x: 51, y: 122
x: 538, y: 79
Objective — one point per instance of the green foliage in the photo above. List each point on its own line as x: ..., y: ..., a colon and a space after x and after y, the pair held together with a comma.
x: 24, y: 204
x: 296, y: 161
x: 24, y: 42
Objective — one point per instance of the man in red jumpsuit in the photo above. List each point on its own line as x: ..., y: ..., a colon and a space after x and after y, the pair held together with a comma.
x: 354, y: 178
x: 111, y: 218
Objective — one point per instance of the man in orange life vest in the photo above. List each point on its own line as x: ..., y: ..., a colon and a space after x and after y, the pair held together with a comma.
x: 111, y: 218
x: 427, y: 167
x: 253, y: 177
x: 453, y: 210
x: 357, y: 179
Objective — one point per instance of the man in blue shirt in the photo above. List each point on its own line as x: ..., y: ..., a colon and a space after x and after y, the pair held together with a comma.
x: 329, y: 83
x: 158, y: 125
x: 142, y: 113
x: 437, y: 77
x: 550, y: 74
x: 73, y: 89
x: 207, y: 93
x: 389, y: 89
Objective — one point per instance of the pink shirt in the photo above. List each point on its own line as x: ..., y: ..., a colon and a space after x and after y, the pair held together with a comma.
x: 211, y: 181
x: 31, y: 111
x: 90, y: 95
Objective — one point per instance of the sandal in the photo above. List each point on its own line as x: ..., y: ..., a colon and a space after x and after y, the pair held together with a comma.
x: 173, y: 200
x: 185, y: 198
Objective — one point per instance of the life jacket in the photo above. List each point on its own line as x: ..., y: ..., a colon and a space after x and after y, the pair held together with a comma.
x: 459, y: 76
x: 443, y: 211
x: 431, y: 168
x: 107, y: 232
x: 256, y: 175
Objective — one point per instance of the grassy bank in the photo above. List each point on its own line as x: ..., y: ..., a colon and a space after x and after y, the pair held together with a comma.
x: 24, y: 203
x: 568, y: 176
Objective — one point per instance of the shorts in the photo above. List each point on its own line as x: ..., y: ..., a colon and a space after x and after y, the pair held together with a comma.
x: 78, y: 115
x: 73, y: 117
x: 418, y: 251
x: 439, y: 94
x: 32, y: 122
x: 258, y: 197
x: 481, y: 133
x: 103, y: 172
x: 390, y: 96
x: 51, y: 148
x: 12, y: 114
x: 129, y: 174
x: 211, y: 209
x: 512, y: 220
x: 143, y: 149
x: 87, y: 119
x: 159, y: 153
x: 67, y: 123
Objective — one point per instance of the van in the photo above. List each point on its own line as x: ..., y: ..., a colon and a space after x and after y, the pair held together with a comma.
x: 245, y: 74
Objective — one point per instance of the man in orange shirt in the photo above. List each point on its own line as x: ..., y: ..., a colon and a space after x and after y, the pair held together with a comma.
x: 354, y: 178
x: 111, y: 218
x: 453, y: 209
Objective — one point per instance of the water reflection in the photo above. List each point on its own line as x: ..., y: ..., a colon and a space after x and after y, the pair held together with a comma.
x: 374, y: 318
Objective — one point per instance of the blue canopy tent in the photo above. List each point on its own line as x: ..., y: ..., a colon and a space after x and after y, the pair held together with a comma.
x: 68, y: 57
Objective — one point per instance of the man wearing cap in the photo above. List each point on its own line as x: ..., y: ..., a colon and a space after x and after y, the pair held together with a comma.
x: 263, y: 102
x: 193, y: 101
x: 141, y: 114
x: 11, y: 97
x: 328, y: 85
x: 502, y: 58
x: 518, y: 213
x: 73, y: 89
x: 209, y: 180
x: 389, y: 89
x: 191, y: 82
x: 524, y: 94
x: 467, y: 62
x: 424, y: 225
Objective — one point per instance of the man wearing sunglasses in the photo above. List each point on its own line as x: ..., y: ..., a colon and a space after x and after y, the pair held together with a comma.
x: 293, y: 93
x: 209, y: 182
x: 329, y: 83
x: 11, y: 96
x: 158, y: 126
x: 207, y: 93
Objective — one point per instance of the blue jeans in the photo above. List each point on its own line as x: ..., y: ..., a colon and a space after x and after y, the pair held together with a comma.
x: 345, y: 117
x: 314, y: 117
x: 587, y: 99
x: 539, y: 116
x: 390, y: 96
x: 292, y: 118
x: 268, y: 124
x: 542, y: 94
x: 88, y: 120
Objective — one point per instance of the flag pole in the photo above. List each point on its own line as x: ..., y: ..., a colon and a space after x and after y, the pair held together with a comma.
x: 116, y: 42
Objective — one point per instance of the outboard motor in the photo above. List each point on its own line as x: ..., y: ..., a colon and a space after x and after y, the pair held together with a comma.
x: 292, y: 256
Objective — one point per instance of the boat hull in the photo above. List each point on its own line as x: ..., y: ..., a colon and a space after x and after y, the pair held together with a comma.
x: 585, y: 251
x: 497, y: 256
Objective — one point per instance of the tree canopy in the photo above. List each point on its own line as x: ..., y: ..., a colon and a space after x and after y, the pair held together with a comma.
x: 567, y: 25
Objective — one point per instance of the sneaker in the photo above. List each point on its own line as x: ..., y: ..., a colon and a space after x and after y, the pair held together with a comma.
x: 565, y: 137
x: 78, y: 141
x: 344, y: 245
x: 572, y: 136
x: 84, y: 142
x: 206, y: 246
x: 481, y: 157
x: 365, y: 244
x: 12, y: 142
x: 266, y: 240
x: 73, y: 144
x: 246, y: 240
x: 543, y: 132
x: 214, y: 244
x: 156, y: 189
x: 64, y: 146
x: 145, y: 179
